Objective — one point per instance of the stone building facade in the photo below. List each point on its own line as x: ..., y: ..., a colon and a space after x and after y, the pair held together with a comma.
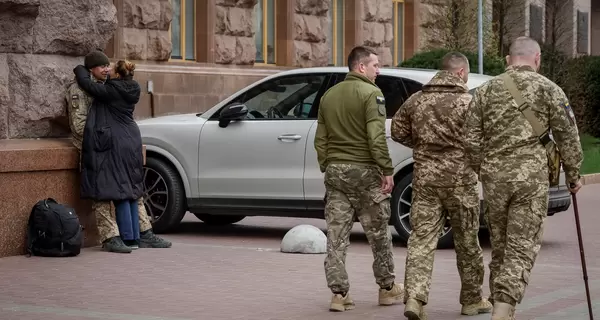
x: 196, y: 52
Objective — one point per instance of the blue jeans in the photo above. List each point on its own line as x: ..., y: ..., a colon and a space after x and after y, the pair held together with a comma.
x: 128, y: 219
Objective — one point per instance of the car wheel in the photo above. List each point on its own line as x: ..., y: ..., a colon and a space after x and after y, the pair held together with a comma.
x: 218, y: 220
x: 164, y: 196
x: 401, y: 204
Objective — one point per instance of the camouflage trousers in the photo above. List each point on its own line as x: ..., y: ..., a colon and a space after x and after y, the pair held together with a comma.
x: 107, y: 222
x: 515, y: 214
x: 431, y: 207
x: 354, y: 191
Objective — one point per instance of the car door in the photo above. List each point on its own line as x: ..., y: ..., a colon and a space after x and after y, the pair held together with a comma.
x: 259, y: 161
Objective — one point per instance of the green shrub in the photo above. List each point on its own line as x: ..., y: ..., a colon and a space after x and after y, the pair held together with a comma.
x: 492, y: 65
x: 580, y: 80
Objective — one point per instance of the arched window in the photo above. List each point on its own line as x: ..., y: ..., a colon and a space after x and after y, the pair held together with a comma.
x: 336, y: 33
x: 264, y: 13
x: 183, y: 30
x: 398, y: 25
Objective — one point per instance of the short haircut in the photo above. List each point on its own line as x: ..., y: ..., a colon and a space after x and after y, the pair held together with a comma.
x: 359, y: 54
x: 524, y: 46
x: 454, y: 60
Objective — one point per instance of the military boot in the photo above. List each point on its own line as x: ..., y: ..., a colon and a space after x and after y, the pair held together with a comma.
x: 413, y: 310
x: 341, y: 303
x: 149, y: 240
x: 115, y: 244
x: 483, y: 306
x: 503, y: 311
x: 394, y: 294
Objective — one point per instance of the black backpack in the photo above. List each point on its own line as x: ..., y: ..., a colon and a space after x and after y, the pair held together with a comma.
x: 53, y: 230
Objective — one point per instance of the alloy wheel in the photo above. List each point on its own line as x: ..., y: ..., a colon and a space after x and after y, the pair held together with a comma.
x: 156, y: 196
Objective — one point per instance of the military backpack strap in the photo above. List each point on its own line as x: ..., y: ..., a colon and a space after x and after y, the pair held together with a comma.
x: 543, y: 134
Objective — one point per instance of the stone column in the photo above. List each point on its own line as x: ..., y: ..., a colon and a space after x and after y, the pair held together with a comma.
x: 369, y: 23
x: 311, y: 30
x: 234, y: 32
x: 143, y: 32
x: 40, y: 44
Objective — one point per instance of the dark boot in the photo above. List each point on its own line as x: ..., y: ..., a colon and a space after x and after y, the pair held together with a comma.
x: 115, y: 244
x: 133, y: 244
x: 149, y: 240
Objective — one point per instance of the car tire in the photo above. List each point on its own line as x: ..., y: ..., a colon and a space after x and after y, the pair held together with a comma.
x: 218, y: 220
x: 169, y: 193
x: 401, y: 200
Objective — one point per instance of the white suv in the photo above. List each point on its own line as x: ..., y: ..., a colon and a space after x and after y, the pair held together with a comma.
x: 231, y: 162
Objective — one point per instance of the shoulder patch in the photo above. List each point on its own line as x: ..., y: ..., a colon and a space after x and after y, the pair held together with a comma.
x: 75, y: 97
x: 380, y: 99
x: 381, y: 110
x: 569, y: 111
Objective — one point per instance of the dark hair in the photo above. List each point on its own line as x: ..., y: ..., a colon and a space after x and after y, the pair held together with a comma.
x: 454, y: 60
x: 358, y: 55
x: 124, y: 69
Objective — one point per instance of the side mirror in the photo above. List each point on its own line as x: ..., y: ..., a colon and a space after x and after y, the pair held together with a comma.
x: 232, y: 112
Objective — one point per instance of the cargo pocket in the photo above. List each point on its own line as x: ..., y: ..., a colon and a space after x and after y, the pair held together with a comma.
x: 382, y: 202
x: 102, y: 139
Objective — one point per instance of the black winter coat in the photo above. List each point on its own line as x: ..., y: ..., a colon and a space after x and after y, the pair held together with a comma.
x: 111, y: 153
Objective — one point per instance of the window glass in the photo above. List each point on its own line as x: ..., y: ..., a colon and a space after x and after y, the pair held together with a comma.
x: 190, y: 35
x: 290, y: 97
x: 176, y: 29
x: 258, y: 34
x: 394, y: 93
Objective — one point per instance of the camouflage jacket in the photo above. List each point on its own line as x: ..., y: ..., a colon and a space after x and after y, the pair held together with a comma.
x: 500, y: 142
x: 431, y: 123
x: 78, y: 103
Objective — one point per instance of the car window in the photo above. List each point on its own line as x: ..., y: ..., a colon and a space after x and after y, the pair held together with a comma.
x: 411, y: 87
x: 289, y: 97
x: 394, y: 93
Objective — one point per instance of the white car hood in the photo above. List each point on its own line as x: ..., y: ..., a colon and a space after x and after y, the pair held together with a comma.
x: 176, y: 118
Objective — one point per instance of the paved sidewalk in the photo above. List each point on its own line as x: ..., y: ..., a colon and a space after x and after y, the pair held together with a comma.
x: 237, y: 272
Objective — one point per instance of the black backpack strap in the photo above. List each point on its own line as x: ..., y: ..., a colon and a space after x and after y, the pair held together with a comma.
x: 30, y: 234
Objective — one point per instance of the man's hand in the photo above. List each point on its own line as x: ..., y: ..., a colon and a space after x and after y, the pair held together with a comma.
x: 574, y: 187
x: 387, y: 185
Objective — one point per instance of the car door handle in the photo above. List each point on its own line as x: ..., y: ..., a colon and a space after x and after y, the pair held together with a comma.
x: 289, y: 137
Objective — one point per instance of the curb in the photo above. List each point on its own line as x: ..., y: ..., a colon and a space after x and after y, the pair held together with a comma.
x: 593, y: 178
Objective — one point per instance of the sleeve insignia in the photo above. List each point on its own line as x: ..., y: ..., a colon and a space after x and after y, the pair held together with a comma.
x: 381, y: 110
x: 380, y: 100
x: 569, y: 111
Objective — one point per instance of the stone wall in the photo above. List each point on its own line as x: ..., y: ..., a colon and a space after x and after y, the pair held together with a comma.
x: 377, y: 28
x: 40, y: 44
x: 311, y: 30
x: 234, y: 32
x: 145, y: 30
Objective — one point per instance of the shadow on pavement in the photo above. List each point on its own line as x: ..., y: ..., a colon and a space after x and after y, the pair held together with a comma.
x: 267, y: 232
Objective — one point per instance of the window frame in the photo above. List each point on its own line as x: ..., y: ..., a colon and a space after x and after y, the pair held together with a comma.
x: 396, y: 47
x: 312, y: 114
x: 265, y: 34
x: 338, y: 36
x: 182, y: 32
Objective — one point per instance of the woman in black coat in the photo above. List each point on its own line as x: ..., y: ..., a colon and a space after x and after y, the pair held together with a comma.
x: 111, y: 154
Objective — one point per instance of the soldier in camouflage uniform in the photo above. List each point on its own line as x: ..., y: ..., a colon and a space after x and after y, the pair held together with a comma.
x: 502, y: 147
x: 352, y: 152
x: 431, y: 122
x: 78, y: 103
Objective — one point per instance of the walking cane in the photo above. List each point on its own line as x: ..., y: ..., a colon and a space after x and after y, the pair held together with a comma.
x: 585, y: 276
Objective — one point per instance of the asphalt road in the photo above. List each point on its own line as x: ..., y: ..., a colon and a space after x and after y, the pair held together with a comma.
x: 237, y: 272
